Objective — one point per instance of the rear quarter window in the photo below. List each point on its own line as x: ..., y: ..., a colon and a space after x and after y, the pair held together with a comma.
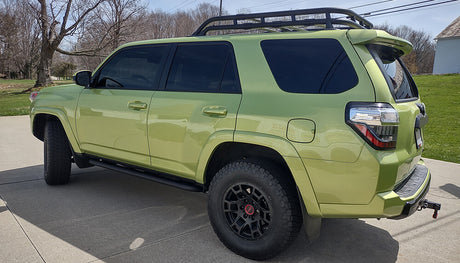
x: 397, y: 76
x: 310, y: 65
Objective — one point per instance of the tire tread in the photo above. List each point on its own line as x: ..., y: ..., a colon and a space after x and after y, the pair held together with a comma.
x: 284, y: 189
x: 57, y: 154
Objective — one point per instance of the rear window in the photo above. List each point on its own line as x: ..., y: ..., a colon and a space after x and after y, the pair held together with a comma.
x: 203, y: 67
x: 310, y: 65
x: 396, y: 74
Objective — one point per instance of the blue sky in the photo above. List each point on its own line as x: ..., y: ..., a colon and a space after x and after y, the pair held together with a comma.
x: 431, y: 19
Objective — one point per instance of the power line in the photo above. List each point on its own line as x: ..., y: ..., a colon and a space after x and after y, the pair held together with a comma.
x: 399, y: 6
x: 379, y: 12
x: 270, y: 3
x: 188, y: 4
x: 175, y: 7
x: 374, y: 3
x: 182, y: 5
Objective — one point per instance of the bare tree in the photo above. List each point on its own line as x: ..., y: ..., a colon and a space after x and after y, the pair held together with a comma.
x: 179, y: 24
x: 58, y: 19
x: 203, y: 12
x: 8, y: 31
x: 421, y: 59
x: 115, y: 22
x: 159, y: 25
x: 19, y: 38
x: 183, y: 24
x: 120, y: 21
x: 28, y: 40
x: 32, y: 31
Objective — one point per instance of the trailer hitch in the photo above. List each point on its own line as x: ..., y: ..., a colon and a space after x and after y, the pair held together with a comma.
x: 431, y: 205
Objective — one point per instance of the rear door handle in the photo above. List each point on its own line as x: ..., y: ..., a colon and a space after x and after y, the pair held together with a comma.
x: 137, y: 105
x: 215, y: 111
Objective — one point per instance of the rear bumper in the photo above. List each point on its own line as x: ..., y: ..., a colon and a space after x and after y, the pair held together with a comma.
x: 410, y: 188
x: 399, y: 203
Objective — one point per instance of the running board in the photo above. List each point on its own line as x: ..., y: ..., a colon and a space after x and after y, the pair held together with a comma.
x: 189, y: 186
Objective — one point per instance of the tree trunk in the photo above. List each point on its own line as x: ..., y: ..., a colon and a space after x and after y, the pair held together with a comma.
x: 44, y: 66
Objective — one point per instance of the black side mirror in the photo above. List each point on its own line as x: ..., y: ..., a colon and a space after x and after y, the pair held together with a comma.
x: 82, y: 78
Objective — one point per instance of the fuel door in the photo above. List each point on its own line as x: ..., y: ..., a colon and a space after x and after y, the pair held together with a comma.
x: 301, y: 130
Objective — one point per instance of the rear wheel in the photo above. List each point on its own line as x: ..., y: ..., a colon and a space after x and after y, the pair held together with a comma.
x: 254, y: 211
x: 57, y: 154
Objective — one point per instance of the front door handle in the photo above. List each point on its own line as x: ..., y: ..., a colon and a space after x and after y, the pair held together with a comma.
x: 215, y: 111
x: 137, y: 105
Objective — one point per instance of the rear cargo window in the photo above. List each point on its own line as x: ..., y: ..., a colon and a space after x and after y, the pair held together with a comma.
x: 310, y: 65
x: 396, y: 74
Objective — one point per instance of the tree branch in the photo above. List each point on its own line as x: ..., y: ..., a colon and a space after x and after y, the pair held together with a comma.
x: 75, y: 24
x: 65, y: 18
x: 82, y: 53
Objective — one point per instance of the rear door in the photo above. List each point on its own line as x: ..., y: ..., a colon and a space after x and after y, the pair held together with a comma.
x: 112, y: 114
x: 200, y: 97
x: 411, y: 110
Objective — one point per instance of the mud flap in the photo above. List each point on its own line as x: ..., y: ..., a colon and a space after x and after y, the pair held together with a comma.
x: 312, y: 225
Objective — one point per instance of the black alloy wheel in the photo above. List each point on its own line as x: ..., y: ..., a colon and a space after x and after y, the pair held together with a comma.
x: 247, y: 211
x: 254, y: 209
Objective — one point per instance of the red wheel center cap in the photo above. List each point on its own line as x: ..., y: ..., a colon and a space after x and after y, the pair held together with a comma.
x: 249, y: 209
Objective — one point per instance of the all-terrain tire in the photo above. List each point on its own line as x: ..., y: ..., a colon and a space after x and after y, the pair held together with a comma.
x: 254, y: 209
x: 57, y: 154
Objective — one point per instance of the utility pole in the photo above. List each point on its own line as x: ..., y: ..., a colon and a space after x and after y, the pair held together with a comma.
x: 220, y: 8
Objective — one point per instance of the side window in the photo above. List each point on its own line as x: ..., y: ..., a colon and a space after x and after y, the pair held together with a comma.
x: 397, y: 76
x: 310, y: 65
x: 230, y: 83
x: 203, y: 67
x: 132, y: 68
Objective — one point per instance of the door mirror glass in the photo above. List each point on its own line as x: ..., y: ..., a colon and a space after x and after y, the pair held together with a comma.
x: 82, y: 78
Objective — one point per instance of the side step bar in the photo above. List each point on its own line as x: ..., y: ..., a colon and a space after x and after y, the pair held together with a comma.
x: 157, y: 177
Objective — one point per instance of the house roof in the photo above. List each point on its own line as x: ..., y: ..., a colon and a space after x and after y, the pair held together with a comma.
x: 452, y: 30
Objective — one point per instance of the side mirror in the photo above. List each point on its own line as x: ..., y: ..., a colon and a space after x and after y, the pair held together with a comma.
x: 82, y: 78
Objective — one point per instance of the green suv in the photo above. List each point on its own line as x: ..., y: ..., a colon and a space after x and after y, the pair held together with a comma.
x: 309, y: 114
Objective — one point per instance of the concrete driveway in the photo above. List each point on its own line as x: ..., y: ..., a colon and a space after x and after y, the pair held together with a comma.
x: 111, y: 217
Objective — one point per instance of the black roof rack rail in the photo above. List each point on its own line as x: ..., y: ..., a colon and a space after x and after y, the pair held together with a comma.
x: 261, y: 20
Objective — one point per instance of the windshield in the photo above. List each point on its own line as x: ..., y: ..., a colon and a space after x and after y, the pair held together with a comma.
x: 396, y: 74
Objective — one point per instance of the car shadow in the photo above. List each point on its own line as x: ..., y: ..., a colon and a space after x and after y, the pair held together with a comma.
x: 344, y: 240
x: 452, y: 189
x: 115, y: 217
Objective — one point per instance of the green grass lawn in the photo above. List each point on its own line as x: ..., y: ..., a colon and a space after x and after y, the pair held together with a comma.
x: 14, y: 104
x: 12, y: 99
x: 440, y: 93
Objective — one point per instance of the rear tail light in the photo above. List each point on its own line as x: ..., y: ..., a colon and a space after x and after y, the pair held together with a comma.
x: 376, y: 123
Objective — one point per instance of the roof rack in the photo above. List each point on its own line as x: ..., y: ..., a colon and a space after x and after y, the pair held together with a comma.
x: 289, y: 19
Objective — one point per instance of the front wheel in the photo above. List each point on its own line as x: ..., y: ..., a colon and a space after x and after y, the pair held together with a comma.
x: 253, y: 209
x: 57, y: 154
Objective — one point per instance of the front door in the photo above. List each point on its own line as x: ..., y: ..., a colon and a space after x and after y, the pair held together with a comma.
x: 111, y: 117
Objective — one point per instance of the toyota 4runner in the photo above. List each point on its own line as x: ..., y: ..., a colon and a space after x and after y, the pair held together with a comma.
x: 292, y: 117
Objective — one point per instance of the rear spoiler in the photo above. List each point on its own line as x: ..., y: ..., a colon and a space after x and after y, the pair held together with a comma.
x: 380, y: 37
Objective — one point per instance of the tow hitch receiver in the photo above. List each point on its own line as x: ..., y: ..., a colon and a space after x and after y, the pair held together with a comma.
x: 431, y: 205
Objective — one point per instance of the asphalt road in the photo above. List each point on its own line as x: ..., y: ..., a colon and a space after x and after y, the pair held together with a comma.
x: 104, y: 216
